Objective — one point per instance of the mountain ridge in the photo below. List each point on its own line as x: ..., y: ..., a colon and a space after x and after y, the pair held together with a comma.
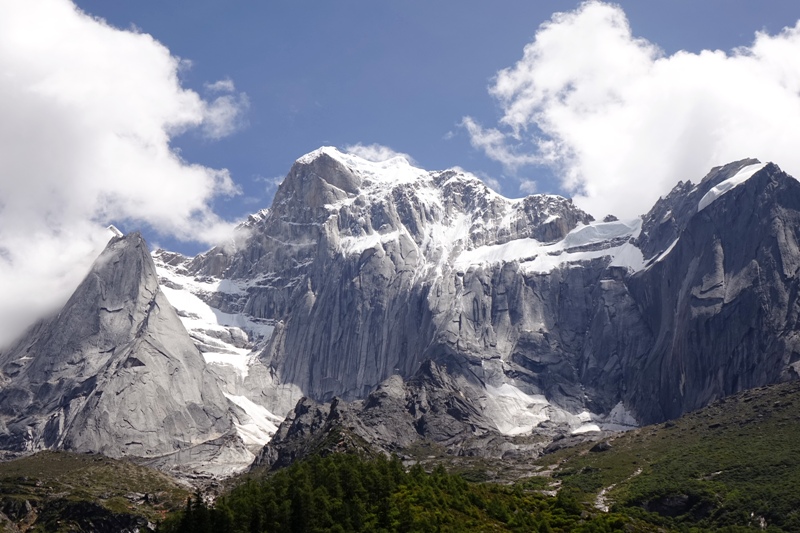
x: 427, y: 300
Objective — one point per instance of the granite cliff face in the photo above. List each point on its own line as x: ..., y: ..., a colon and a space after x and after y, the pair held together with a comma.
x: 410, y: 305
x: 722, y: 300
x: 542, y: 315
x: 113, y: 372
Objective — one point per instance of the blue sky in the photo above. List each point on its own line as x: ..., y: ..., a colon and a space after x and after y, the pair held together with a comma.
x: 179, y: 118
x: 401, y: 74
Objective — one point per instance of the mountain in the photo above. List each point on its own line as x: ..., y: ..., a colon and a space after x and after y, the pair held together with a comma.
x: 411, y: 306
x: 528, y: 316
x: 732, y: 463
x: 113, y: 372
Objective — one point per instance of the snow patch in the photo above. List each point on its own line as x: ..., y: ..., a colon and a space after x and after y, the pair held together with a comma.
x: 535, y: 256
x: 237, y: 360
x: 721, y: 188
x: 225, y: 338
x: 256, y: 425
x: 586, y: 428
x: 515, y: 412
x: 357, y: 245
x: 598, y: 232
x: 663, y: 254
x: 619, y: 419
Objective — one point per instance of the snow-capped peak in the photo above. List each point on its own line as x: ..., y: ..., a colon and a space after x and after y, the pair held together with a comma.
x: 353, y: 160
x: 718, y: 190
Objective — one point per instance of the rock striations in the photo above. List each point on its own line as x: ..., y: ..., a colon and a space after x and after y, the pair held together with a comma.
x: 113, y: 372
x: 405, y: 305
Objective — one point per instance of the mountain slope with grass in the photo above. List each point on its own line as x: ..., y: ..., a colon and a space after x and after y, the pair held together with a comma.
x: 60, y: 491
x: 732, y: 466
x: 733, y: 463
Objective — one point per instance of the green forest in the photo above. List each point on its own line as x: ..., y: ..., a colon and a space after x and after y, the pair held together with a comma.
x: 344, y: 493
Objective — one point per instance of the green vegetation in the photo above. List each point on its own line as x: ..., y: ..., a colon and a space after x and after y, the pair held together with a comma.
x: 732, y: 465
x: 341, y: 493
x: 60, y: 491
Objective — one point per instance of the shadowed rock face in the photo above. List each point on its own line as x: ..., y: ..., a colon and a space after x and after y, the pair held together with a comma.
x: 423, y: 306
x: 723, y: 303
x: 437, y: 405
x: 113, y: 372
x: 368, y: 285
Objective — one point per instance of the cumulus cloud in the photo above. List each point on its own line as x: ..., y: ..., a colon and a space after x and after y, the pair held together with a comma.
x: 376, y: 152
x: 87, y: 112
x: 620, y: 122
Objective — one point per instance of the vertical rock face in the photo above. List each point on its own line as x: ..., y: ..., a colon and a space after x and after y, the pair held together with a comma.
x: 722, y: 303
x: 356, y: 263
x: 114, y: 372
x: 422, y: 305
x: 371, y: 269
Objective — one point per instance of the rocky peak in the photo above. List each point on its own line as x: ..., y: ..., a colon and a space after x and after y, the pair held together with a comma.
x: 113, y: 372
x: 671, y: 213
x: 721, y: 298
x: 314, y: 181
x: 334, y: 204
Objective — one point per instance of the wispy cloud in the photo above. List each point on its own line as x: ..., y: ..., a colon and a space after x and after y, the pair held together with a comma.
x: 528, y: 186
x: 620, y: 122
x: 497, y: 145
x: 225, y: 115
x: 376, y: 152
x: 224, y: 85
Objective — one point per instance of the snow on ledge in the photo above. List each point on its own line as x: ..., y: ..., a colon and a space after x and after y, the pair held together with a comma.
x: 535, y: 256
x: 721, y: 188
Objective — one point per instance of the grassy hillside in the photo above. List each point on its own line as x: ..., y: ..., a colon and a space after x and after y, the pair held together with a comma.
x: 734, y: 464
x: 59, y: 491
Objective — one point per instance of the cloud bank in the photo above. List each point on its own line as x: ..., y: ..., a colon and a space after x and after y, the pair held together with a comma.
x: 620, y: 122
x: 87, y: 112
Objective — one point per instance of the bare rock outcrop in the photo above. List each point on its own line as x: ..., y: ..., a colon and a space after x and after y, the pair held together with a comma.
x: 113, y: 372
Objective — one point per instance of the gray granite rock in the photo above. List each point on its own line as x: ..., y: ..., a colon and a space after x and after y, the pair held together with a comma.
x: 384, y: 333
x: 113, y: 372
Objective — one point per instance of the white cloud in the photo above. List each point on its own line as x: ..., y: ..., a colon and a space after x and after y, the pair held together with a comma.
x: 496, y: 145
x: 224, y: 85
x: 87, y: 112
x: 376, y: 152
x: 225, y: 115
x: 620, y: 122
x: 527, y: 186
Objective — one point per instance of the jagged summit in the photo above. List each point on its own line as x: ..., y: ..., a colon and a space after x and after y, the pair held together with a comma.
x: 383, y: 175
x: 398, y: 163
x: 423, y: 300
x: 113, y: 372
x: 345, y: 204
